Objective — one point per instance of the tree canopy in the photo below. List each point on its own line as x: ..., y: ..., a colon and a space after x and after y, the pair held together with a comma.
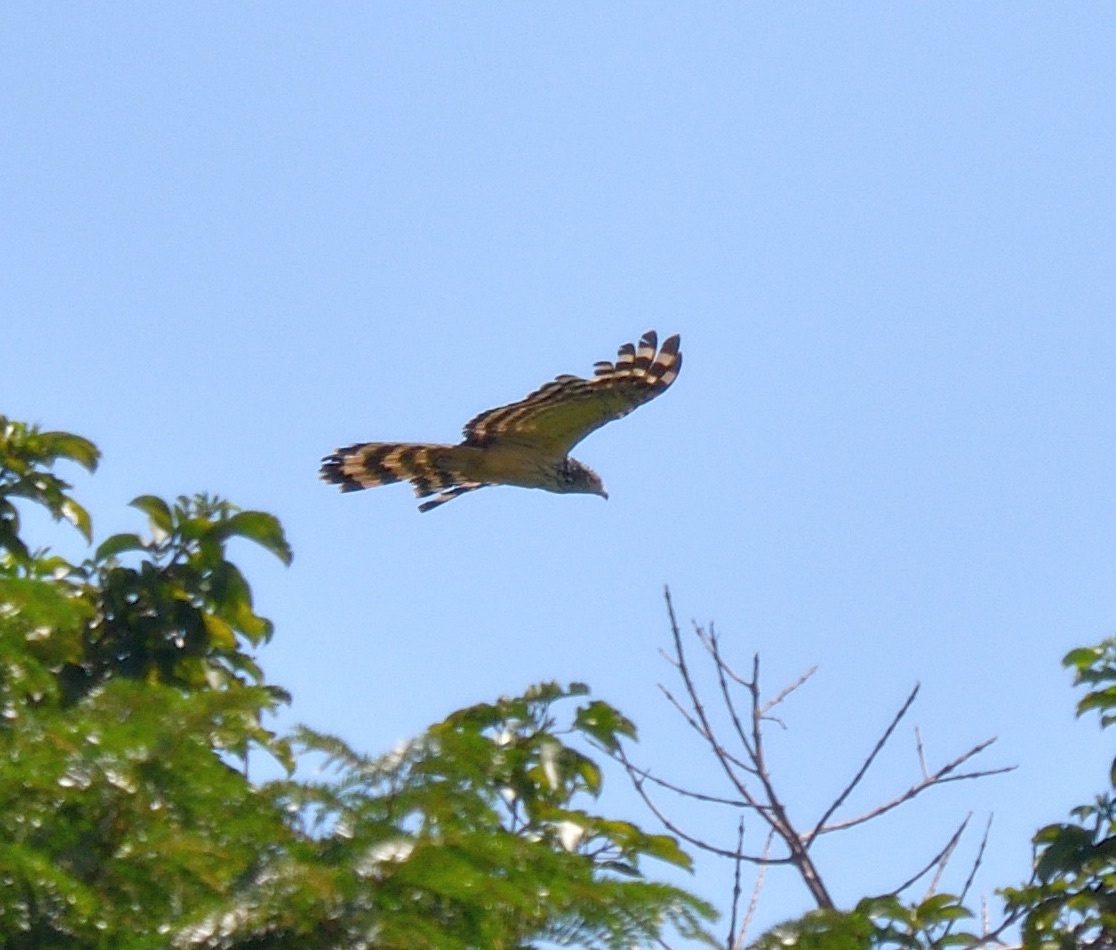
x: 131, y: 702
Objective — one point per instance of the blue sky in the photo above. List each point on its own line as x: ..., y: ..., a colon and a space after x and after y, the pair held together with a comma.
x: 236, y: 236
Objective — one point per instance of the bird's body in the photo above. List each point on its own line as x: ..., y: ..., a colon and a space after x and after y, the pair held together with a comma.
x: 526, y: 443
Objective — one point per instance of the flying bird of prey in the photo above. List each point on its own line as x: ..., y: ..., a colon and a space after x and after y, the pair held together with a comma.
x: 525, y: 443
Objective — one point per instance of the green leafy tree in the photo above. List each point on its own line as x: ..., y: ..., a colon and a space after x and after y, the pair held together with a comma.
x: 1070, y: 901
x: 125, y: 701
x: 465, y: 837
x: 129, y: 704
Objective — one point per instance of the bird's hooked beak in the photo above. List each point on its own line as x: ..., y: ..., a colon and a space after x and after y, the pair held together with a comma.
x: 603, y: 493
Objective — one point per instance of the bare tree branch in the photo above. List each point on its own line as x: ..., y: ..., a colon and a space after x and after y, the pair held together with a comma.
x: 932, y: 889
x: 941, y: 777
x: 736, y: 868
x: 979, y: 859
x: 786, y: 691
x: 726, y: 695
x: 635, y: 770
x: 935, y: 861
x: 690, y: 720
x: 674, y: 829
x: 780, y: 821
x: 867, y: 764
x: 761, y: 875
x: 745, y: 723
x: 921, y: 753
x: 696, y: 704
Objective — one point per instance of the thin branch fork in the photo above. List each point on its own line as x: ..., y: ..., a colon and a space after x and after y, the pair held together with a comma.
x: 753, y: 904
x: 940, y: 777
x: 937, y: 861
x: 748, y: 773
x: 699, y: 708
x: 673, y: 828
x: 863, y: 770
x: 780, y: 820
x: 775, y: 812
x: 645, y: 774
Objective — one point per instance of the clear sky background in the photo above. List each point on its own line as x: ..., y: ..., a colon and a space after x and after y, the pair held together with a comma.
x: 236, y: 236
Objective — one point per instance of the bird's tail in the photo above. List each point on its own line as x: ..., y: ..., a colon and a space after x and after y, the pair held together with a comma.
x: 431, y: 469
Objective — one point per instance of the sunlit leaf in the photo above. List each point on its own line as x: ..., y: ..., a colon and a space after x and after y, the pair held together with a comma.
x: 1082, y: 657
x: 156, y: 509
x: 42, y: 603
x: 78, y: 517
x: 55, y: 445
x: 221, y: 634
x: 257, y: 526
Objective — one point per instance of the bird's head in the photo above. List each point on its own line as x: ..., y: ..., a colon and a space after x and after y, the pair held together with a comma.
x: 580, y: 478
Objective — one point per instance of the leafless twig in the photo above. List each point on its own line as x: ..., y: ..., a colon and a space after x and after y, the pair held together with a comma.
x: 867, y: 764
x: 742, y: 759
x: 737, y: 865
x: 941, y: 777
x: 937, y: 859
x: 761, y: 874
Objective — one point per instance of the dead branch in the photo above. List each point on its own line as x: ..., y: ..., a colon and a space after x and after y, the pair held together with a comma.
x: 696, y: 703
x: 761, y: 874
x: 743, y: 762
x: 941, y: 777
x: 726, y: 696
x: 977, y: 862
x: 634, y: 770
x: 786, y: 691
x: 867, y: 764
x: 984, y: 922
x: 937, y: 859
x: 675, y: 829
x: 737, y: 865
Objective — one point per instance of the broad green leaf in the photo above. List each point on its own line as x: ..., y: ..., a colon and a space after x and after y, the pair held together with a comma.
x: 55, y: 445
x: 196, y: 528
x: 1098, y: 699
x: 257, y: 526
x: 590, y: 774
x: 1068, y: 844
x: 604, y: 723
x: 118, y: 544
x: 666, y: 848
x: 221, y: 634
x: 9, y: 530
x: 1082, y: 657
x: 936, y: 903
x: 157, y: 510
x: 78, y: 517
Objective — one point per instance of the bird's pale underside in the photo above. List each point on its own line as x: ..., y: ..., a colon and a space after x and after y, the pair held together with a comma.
x: 526, y: 443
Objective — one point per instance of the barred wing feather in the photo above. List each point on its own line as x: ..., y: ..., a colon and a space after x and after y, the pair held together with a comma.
x: 557, y: 416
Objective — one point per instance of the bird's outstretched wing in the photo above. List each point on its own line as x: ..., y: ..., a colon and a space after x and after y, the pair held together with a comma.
x: 555, y: 417
x: 525, y: 443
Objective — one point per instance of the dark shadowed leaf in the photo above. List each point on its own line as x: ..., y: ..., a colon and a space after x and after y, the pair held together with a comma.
x: 605, y: 724
x: 1065, y: 846
x: 118, y: 544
